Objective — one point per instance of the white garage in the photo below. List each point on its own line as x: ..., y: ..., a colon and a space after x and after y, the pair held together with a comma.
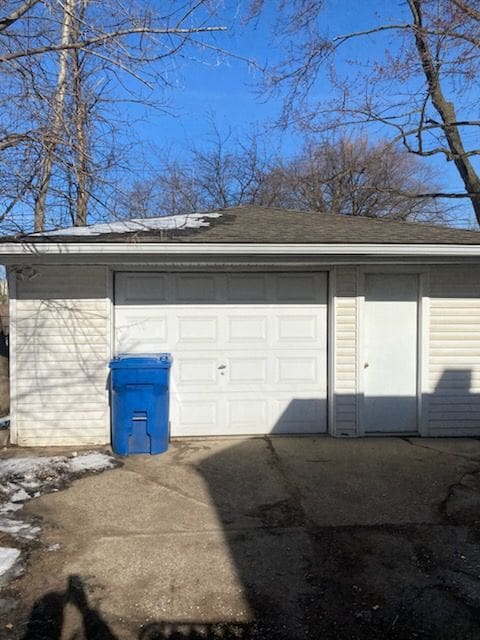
x: 278, y: 322
x: 250, y: 349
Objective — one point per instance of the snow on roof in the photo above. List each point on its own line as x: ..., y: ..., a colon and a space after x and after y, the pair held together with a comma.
x: 181, y: 221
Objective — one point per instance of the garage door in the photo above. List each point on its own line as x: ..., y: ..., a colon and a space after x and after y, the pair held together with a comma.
x: 249, y: 350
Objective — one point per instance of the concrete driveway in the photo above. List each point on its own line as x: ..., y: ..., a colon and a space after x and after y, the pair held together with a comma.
x: 281, y: 538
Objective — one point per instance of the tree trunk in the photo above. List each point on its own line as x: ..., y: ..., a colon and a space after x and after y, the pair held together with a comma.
x: 82, y: 165
x: 52, y: 137
x: 81, y: 143
x: 446, y: 110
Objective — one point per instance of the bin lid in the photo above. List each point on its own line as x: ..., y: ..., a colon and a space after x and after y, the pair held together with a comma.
x: 141, y: 361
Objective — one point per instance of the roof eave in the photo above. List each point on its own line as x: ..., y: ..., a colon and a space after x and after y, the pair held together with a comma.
x: 9, y: 251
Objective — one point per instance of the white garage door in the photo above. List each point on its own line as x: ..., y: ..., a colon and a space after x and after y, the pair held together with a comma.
x: 249, y: 350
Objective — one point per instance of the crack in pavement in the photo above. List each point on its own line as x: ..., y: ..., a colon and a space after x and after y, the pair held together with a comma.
x: 414, y: 443
x: 294, y: 495
x: 179, y: 492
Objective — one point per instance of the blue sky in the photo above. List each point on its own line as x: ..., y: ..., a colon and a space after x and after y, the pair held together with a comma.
x: 209, y: 87
x: 229, y: 90
x: 206, y: 87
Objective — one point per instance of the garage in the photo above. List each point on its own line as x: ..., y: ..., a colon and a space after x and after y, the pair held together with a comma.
x: 255, y: 305
x: 249, y: 349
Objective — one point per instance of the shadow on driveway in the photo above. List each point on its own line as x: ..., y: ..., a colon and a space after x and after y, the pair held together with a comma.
x: 270, y: 539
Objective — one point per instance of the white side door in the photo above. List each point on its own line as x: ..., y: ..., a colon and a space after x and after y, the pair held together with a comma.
x: 390, y: 330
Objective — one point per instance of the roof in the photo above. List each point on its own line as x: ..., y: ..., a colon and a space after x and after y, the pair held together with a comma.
x: 259, y: 225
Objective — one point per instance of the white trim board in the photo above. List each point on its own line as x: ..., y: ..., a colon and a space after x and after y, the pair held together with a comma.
x: 331, y: 298
x: 10, y: 249
x: 12, y: 347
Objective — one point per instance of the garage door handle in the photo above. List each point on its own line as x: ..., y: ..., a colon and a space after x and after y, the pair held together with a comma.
x: 366, y: 365
x: 222, y: 366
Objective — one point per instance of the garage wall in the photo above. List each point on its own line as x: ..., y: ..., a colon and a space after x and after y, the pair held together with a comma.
x: 451, y: 353
x: 345, y: 340
x: 453, y: 399
x: 61, y: 337
x: 61, y: 334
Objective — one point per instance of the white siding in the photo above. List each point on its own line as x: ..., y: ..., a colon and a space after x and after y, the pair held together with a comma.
x: 62, y: 349
x: 61, y: 338
x: 345, y: 352
x: 454, y: 351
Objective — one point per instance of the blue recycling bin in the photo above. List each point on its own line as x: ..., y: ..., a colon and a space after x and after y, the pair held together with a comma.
x: 139, y: 386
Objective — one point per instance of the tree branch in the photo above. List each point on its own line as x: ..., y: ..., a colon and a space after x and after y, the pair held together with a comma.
x: 106, y: 37
x: 468, y: 9
x: 339, y: 40
x: 367, y: 32
x: 6, y: 21
x: 13, y: 139
x: 432, y: 195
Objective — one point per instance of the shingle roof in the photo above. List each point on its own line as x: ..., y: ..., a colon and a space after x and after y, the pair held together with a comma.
x: 254, y: 224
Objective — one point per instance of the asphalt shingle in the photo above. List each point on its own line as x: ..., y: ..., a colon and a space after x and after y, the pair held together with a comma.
x: 254, y: 224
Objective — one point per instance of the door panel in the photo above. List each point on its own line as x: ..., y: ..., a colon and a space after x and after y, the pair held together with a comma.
x: 249, y: 350
x: 390, y: 353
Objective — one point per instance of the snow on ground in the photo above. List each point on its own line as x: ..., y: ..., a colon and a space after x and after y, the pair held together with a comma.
x: 24, y: 478
x: 8, y: 559
x: 90, y: 462
x: 18, y: 529
x: 181, y: 221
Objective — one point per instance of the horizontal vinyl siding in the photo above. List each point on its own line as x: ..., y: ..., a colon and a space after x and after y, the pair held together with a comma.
x: 62, y: 349
x: 345, y: 338
x: 454, y: 351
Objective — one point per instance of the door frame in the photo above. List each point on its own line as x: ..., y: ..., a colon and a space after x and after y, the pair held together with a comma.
x: 422, y: 274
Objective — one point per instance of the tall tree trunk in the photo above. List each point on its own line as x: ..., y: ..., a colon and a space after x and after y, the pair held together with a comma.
x: 81, y: 140
x: 52, y: 137
x: 446, y: 110
x: 82, y: 163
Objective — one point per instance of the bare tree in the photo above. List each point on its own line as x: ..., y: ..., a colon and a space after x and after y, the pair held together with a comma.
x: 335, y: 175
x: 230, y: 171
x: 224, y: 172
x: 52, y: 134
x: 57, y: 58
x: 419, y: 86
x: 80, y: 117
x: 353, y: 177
x: 173, y: 191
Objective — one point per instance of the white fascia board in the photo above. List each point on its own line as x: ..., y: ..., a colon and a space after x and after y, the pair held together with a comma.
x: 12, y: 250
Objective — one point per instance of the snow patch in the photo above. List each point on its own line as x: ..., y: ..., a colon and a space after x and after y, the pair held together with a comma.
x: 30, y: 468
x: 8, y: 507
x: 8, y: 559
x: 30, y: 474
x: 20, y: 496
x: 183, y: 221
x: 24, y: 478
x: 90, y: 462
x: 18, y: 529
